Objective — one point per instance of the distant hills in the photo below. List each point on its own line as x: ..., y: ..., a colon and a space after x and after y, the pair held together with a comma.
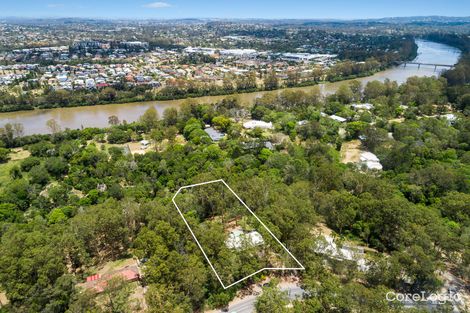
x: 448, y: 20
x: 424, y: 19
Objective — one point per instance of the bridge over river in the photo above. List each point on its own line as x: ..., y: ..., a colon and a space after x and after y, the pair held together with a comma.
x: 436, y: 65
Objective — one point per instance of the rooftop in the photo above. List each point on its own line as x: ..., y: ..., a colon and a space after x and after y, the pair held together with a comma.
x: 237, y: 237
x: 214, y: 134
x: 261, y: 124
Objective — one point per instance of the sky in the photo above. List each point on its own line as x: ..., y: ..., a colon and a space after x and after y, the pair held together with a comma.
x: 170, y: 9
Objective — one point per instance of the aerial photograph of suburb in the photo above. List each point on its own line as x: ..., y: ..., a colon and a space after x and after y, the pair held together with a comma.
x: 234, y: 156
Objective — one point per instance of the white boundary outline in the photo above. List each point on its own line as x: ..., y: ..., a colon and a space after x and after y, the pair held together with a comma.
x: 200, y: 247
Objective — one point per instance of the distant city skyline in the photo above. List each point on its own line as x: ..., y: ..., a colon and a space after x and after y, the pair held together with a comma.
x: 266, y: 9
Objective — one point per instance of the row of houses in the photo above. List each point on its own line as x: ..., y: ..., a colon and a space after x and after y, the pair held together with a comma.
x: 156, y: 67
x: 92, y: 76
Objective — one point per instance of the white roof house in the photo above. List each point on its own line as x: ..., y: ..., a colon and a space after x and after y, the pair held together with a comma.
x: 334, y: 117
x: 237, y: 237
x: 261, y: 124
x: 450, y: 117
x: 370, y: 160
x: 329, y: 247
x: 62, y: 77
x: 362, y: 106
x: 90, y: 83
x: 338, y: 118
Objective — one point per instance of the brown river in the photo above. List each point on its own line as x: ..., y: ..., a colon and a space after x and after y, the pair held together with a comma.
x: 34, y: 122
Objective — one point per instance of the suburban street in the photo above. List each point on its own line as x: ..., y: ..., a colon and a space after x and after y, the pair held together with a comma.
x: 247, y: 304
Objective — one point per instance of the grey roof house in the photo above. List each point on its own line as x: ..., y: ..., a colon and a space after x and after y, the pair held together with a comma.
x: 214, y: 134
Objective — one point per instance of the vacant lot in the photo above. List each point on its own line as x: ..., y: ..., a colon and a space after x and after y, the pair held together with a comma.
x: 351, y: 151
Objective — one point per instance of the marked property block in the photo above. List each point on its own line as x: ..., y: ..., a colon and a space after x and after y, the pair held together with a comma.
x: 235, y: 242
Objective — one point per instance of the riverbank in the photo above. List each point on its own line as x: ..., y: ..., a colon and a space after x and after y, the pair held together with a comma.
x: 214, y: 93
x: 34, y: 121
x: 224, y: 94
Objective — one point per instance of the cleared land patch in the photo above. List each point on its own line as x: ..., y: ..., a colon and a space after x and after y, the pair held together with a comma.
x: 351, y: 151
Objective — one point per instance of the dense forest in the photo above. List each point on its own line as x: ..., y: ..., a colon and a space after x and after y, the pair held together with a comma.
x: 79, y: 199
x: 458, y: 78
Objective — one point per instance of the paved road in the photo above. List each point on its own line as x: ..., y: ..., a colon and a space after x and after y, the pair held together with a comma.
x: 247, y: 304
